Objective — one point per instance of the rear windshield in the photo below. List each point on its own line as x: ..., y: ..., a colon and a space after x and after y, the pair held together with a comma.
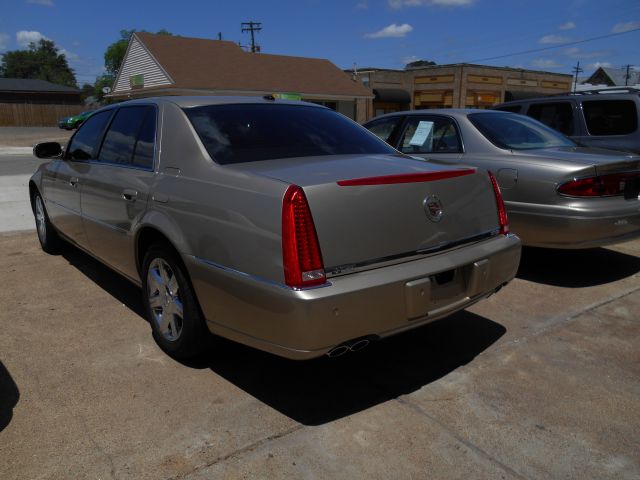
x: 517, y: 132
x: 251, y: 132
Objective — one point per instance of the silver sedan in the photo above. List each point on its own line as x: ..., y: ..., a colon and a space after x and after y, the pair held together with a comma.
x: 557, y: 194
x: 281, y: 225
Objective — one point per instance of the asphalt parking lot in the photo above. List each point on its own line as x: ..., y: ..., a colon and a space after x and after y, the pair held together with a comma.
x: 540, y: 381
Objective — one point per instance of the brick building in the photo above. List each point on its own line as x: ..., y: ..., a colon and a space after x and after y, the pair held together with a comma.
x: 454, y: 86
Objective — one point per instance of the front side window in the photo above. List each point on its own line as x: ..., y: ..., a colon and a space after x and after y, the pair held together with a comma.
x: 557, y: 115
x: 430, y: 135
x: 517, y: 132
x: 239, y: 133
x: 610, y: 117
x: 85, y: 143
x: 384, y: 127
x: 129, y: 140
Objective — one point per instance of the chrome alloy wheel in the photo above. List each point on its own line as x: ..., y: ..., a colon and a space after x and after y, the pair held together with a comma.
x: 41, y: 220
x: 163, y: 293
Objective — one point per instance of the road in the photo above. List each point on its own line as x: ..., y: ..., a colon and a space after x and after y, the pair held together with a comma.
x: 540, y: 381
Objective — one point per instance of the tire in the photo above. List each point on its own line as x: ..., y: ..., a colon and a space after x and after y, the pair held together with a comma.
x: 170, y: 304
x: 47, y: 235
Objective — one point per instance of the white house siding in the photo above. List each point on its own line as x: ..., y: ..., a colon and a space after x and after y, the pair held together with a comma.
x: 138, y: 61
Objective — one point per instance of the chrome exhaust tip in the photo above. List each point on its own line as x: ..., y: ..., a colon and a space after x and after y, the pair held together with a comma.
x: 338, y: 351
x: 350, y: 346
x: 359, y: 345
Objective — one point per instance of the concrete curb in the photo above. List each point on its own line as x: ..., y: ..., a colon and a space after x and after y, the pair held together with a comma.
x: 16, y: 150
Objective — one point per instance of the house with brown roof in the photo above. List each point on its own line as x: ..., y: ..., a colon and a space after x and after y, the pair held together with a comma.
x: 168, y: 65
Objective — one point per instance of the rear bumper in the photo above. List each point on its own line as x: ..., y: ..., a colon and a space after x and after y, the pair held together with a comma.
x: 301, y: 324
x: 573, y: 228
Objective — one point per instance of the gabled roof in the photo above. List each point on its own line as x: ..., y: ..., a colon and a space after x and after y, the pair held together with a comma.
x: 201, y: 64
x: 616, y: 76
x: 33, y: 85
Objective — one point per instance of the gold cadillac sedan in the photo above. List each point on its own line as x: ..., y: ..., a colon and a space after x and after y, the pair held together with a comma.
x: 281, y: 225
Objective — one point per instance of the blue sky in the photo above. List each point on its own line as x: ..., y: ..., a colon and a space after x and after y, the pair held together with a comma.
x: 370, y: 33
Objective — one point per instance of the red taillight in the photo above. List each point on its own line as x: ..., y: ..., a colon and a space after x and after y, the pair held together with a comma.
x: 604, y: 186
x: 301, y: 257
x: 502, y: 212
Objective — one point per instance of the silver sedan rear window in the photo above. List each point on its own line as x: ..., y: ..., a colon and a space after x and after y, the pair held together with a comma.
x: 247, y: 133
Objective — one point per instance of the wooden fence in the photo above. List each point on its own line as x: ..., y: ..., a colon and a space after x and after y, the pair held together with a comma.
x: 35, y: 114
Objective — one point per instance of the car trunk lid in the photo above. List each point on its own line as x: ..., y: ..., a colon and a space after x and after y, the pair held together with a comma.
x: 371, y: 208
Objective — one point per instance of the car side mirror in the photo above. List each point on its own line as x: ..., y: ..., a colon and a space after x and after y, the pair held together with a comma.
x: 47, y: 150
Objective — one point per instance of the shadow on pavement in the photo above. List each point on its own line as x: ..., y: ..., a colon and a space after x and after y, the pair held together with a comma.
x: 9, y: 396
x: 113, y: 283
x: 576, y: 268
x: 322, y: 390
x: 318, y: 391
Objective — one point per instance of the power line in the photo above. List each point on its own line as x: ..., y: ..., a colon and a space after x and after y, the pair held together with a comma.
x: 534, y: 50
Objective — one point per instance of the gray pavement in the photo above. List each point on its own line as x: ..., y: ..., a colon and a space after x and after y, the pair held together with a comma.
x: 541, y: 381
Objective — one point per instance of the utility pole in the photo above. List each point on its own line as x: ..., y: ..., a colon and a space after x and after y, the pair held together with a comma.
x: 576, y: 71
x: 252, y: 27
x: 627, y: 75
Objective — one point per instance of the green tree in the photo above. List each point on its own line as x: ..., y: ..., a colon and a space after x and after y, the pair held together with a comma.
x: 102, y: 81
x: 418, y: 64
x: 40, y: 61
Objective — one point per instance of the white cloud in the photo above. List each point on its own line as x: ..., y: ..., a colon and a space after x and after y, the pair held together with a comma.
x: 391, y: 31
x: 4, y: 41
x: 545, y: 63
x: 46, y: 3
x: 553, y: 39
x: 567, y: 26
x: 71, y: 56
x: 429, y: 3
x: 625, y: 27
x: 25, y: 37
x: 597, y: 65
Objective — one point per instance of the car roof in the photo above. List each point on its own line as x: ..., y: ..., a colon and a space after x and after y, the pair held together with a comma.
x: 200, y: 101
x: 452, y: 112
x: 598, y: 95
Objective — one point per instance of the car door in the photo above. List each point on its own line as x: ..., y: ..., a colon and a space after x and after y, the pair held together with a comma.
x: 64, y: 183
x: 433, y: 137
x: 116, y: 188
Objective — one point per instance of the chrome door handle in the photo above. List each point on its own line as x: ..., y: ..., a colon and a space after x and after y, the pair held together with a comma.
x: 73, y: 181
x: 129, y: 195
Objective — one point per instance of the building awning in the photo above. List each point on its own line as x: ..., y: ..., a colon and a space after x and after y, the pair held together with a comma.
x: 392, y: 95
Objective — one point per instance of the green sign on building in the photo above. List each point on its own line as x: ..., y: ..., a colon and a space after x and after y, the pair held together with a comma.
x: 136, y: 80
x: 288, y: 96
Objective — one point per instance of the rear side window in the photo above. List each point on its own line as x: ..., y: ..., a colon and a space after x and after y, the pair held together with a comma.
x: 84, y: 145
x: 610, y: 117
x: 557, y: 115
x: 129, y: 140
x: 430, y: 135
x: 384, y: 127
x: 253, y: 132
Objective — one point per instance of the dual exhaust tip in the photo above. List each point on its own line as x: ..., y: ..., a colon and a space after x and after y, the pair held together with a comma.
x: 350, y: 346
